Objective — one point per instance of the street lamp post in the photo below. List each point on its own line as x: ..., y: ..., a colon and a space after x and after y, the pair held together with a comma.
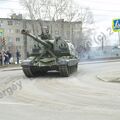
x: 102, y: 41
x: 119, y: 39
x: 2, y: 44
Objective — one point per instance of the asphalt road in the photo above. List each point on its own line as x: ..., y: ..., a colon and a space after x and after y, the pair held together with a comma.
x: 79, y: 97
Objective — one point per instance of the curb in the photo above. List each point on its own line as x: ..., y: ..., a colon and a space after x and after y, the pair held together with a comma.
x: 117, y: 79
x: 100, y: 78
x: 14, y: 69
x: 94, y: 62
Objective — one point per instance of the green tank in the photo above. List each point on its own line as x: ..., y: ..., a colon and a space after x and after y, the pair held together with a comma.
x: 57, y: 54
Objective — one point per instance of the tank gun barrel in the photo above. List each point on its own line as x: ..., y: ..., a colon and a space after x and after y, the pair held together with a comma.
x: 26, y: 32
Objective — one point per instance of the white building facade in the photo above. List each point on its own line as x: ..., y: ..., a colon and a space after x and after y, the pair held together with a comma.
x: 10, y: 32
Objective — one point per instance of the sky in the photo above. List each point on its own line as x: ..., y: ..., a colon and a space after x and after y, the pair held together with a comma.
x: 103, y: 12
x: 102, y: 9
x: 9, y: 6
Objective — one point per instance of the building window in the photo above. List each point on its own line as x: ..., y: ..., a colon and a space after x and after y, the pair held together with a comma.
x: 1, y: 21
x: 1, y: 24
x: 18, y: 47
x: 10, y: 31
x: 10, y: 22
x: 17, y: 39
x: 10, y: 39
x: 17, y: 31
x: 17, y: 22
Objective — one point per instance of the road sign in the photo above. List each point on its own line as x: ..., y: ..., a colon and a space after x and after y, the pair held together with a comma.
x: 116, y: 25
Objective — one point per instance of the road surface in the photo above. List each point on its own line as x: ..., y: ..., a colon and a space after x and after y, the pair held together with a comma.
x: 82, y: 96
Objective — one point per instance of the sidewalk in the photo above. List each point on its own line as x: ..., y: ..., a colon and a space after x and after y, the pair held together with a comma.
x: 99, y: 61
x: 109, y: 76
x: 11, y: 67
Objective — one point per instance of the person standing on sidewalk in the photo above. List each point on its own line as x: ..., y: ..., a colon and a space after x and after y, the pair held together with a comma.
x: 9, y: 57
x: 5, y: 58
x: 18, y: 56
x: 0, y: 58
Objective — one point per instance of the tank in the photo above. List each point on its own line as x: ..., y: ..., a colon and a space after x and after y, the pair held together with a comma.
x: 56, y: 54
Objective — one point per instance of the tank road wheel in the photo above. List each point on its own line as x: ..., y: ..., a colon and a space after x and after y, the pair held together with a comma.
x: 64, y: 70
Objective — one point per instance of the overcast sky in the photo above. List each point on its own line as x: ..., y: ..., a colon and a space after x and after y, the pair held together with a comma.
x: 103, y: 10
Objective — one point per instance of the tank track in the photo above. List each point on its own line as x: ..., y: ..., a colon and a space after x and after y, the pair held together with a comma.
x: 65, y: 70
x: 31, y: 71
x: 27, y: 71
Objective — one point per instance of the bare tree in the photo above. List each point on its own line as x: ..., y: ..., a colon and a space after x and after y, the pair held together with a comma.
x: 77, y: 13
x: 45, y: 9
x: 62, y: 9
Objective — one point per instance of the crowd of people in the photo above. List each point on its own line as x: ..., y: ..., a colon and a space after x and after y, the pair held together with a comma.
x: 6, y: 57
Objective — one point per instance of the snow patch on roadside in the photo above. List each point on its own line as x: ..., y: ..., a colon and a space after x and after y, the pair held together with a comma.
x: 109, y: 76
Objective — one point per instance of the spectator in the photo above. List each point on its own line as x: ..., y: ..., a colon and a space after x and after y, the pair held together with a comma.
x: 9, y: 56
x: 18, y: 56
x: 0, y: 58
x: 5, y: 58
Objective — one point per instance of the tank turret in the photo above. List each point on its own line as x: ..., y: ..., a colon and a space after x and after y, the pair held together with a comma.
x: 56, y: 54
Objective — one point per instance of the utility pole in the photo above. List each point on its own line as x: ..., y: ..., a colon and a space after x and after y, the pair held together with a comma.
x: 119, y: 39
x: 102, y: 42
x: 2, y: 40
x: 25, y: 40
x: 62, y: 28
x: 2, y: 52
x: 72, y: 33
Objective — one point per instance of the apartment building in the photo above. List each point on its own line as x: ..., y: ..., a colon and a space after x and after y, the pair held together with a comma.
x: 10, y: 31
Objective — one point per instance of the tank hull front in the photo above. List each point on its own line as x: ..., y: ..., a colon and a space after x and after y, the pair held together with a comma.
x: 63, y: 66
